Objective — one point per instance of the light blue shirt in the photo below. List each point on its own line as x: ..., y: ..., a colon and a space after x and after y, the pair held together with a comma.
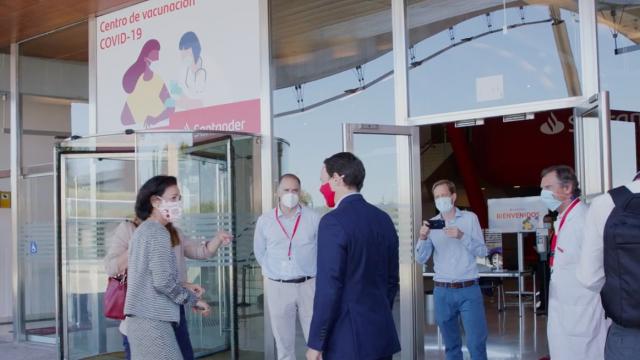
x: 271, y: 244
x: 454, y: 260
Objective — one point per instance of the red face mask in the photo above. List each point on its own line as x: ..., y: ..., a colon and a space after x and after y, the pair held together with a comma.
x: 329, y: 195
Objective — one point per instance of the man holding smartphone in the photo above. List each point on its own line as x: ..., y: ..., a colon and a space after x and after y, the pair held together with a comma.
x: 455, y: 247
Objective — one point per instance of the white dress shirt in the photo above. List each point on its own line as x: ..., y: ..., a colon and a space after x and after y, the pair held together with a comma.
x: 590, y: 270
x: 271, y: 244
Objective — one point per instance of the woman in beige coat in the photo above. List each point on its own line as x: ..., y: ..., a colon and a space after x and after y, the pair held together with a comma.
x: 117, y: 258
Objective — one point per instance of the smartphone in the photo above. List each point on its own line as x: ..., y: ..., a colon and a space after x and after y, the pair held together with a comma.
x: 436, y: 224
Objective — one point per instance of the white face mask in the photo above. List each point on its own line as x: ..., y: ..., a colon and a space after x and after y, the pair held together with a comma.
x: 549, y: 199
x: 290, y: 200
x: 187, y: 60
x: 153, y: 66
x: 171, y: 210
x: 444, y: 204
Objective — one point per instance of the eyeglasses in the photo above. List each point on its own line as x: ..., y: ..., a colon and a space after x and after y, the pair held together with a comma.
x: 177, y: 198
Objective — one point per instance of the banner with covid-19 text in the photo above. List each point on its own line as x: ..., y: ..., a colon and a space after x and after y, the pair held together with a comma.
x: 179, y: 64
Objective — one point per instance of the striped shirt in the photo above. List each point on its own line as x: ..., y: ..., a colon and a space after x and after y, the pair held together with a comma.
x: 117, y: 258
x: 154, y: 290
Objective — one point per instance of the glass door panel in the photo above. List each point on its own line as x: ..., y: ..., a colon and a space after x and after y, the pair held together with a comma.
x: 391, y: 158
x: 97, y: 184
x: 204, y: 168
x: 593, y: 145
x: 205, y: 186
x: 98, y: 192
x: 37, y: 258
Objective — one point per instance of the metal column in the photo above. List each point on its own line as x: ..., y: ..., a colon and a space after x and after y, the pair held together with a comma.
x: 16, y: 173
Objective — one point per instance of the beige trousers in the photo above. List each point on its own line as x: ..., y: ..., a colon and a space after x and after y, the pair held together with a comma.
x: 284, y: 301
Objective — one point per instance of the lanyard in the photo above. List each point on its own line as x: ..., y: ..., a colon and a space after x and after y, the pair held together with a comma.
x: 554, y: 239
x: 295, y: 229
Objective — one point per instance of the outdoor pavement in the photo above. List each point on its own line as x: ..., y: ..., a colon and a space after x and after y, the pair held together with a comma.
x: 14, y: 351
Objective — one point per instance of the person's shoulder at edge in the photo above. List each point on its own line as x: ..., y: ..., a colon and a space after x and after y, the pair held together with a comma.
x: 600, y: 200
x: 265, y: 218
x: 124, y: 230
x: 633, y: 186
x: 583, y: 207
x: 379, y: 212
x: 605, y: 198
x: 313, y: 212
x: 464, y: 212
x: 126, y: 225
x: 269, y: 214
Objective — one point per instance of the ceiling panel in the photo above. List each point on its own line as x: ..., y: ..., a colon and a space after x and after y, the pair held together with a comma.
x: 24, y: 19
x: 310, y: 39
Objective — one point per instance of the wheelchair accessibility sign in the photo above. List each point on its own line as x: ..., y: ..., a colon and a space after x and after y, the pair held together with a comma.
x: 33, y: 248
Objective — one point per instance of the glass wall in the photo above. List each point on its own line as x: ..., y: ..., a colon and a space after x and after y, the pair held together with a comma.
x: 53, y: 80
x: 99, y: 193
x: 333, y: 65
x: 6, y: 270
x: 469, y: 55
x: 333, y: 68
x: 619, y: 63
x: 216, y: 173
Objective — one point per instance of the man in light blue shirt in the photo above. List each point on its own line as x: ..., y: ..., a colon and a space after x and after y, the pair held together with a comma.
x: 285, y: 245
x: 456, y: 293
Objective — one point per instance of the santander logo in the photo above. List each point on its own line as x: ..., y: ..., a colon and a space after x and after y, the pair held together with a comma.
x: 552, y: 126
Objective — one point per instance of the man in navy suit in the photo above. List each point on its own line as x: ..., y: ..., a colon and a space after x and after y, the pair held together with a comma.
x: 357, y: 276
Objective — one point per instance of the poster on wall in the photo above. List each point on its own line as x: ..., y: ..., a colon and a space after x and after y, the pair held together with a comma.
x: 179, y: 64
x: 522, y: 214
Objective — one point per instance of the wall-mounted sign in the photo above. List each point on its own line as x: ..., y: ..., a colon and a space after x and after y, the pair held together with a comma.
x: 179, y: 64
x: 5, y: 199
x: 523, y: 214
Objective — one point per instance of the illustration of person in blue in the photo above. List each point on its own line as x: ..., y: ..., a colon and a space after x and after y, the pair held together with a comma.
x: 192, y: 81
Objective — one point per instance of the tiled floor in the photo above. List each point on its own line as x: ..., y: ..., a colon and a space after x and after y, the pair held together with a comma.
x: 506, y: 340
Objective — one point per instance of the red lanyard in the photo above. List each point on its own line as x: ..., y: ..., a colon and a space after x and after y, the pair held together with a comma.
x: 554, y: 239
x: 295, y: 229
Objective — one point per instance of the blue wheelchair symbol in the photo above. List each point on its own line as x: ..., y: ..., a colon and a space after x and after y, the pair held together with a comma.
x: 33, y: 249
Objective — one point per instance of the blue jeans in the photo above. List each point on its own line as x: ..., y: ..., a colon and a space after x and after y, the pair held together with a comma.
x: 622, y: 343
x: 182, y: 336
x: 127, y: 348
x: 465, y: 303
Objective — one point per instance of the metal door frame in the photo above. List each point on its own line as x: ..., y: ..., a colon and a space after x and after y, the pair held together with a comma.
x: 411, y: 281
x: 598, y: 103
x: 62, y: 306
x: 61, y: 235
x: 226, y: 269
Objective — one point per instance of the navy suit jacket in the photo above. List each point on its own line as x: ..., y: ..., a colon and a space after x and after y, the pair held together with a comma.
x: 356, y: 284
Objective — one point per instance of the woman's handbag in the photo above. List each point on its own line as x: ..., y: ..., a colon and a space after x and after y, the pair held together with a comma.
x: 114, y: 297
